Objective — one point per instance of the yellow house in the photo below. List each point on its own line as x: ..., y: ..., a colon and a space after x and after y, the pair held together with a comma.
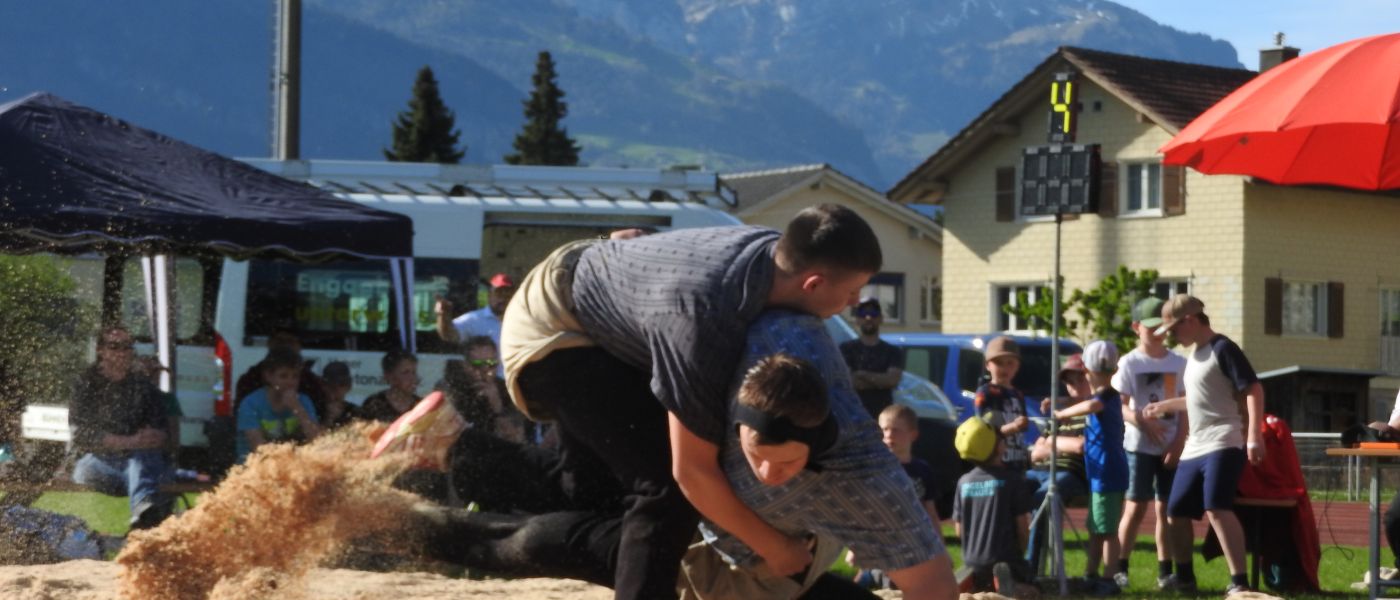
x: 908, y: 285
x: 1305, y: 279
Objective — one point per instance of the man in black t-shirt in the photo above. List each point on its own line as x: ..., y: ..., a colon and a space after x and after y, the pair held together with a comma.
x: 876, y: 365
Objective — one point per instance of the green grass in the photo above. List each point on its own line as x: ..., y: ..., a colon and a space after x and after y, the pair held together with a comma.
x: 1340, y: 566
x: 106, y: 514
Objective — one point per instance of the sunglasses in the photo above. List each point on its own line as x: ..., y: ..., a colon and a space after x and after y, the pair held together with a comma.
x: 483, y: 362
x: 118, y: 345
x: 868, y: 312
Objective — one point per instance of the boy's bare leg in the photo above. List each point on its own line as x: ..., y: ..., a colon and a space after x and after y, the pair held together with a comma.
x: 1231, y: 533
x: 1132, y: 520
x: 1163, y: 532
x: 1182, y: 539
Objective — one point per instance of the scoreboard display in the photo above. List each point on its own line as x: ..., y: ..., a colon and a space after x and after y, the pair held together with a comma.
x: 1060, y: 179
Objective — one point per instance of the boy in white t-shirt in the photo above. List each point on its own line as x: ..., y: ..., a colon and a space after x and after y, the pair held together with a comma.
x: 1149, y: 373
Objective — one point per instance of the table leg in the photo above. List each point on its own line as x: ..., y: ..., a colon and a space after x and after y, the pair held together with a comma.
x: 1375, y: 559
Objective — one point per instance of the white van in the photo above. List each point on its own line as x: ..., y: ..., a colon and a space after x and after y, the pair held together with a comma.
x: 469, y: 222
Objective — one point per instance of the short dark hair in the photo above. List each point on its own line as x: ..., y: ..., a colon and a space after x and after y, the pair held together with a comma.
x: 478, y: 341
x: 393, y: 358
x: 782, y: 385
x: 829, y: 235
x: 1205, y: 320
x: 281, y: 357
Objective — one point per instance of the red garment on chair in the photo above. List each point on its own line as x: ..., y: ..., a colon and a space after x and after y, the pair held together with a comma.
x: 1280, y: 476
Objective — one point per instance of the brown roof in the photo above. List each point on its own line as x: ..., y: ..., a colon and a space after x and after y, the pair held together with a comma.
x: 1169, y: 93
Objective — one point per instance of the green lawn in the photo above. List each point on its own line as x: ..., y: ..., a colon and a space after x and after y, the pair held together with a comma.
x: 1341, y: 565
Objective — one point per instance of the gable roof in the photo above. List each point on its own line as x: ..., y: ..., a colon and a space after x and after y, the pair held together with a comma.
x: 1170, y: 94
x: 753, y: 189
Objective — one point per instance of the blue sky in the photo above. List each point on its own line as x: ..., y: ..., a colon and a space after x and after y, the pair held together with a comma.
x: 1250, y: 24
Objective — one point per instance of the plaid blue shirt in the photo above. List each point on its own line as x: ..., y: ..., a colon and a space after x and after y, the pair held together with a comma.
x: 861, y: 496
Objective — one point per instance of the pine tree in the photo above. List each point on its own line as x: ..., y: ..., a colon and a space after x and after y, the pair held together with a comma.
x: 424, y: 132
x: 543, y: 141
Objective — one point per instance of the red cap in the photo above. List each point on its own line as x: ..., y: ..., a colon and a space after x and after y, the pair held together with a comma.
x: 502, y: 280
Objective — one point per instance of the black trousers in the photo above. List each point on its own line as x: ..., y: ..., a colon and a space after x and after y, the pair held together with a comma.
x: 569, y: 545
x: 615, y: 453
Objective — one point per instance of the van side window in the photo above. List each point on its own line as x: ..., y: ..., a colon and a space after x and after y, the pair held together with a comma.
x: 971, y: 366
x: 341, y: 305
x: 455, y: 279
x: 196, y: 289
x: 929, y: 362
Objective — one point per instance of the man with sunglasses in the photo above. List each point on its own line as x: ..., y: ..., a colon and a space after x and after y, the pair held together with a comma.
x: 474, y: 390
x: 876, y: 365
x: 118, y: 422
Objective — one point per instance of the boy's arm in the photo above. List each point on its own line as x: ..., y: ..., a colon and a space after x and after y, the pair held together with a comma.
x: 1173, y: 454
x: 931, y: 579
x: 695, y: 466
x: 932, y: 513
x: 1168, y: 406
x: 1149, y: 427
x: 1254, y: 403
x: 1080, y: 409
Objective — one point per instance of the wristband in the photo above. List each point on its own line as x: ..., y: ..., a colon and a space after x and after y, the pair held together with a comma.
x: 1253, y: 445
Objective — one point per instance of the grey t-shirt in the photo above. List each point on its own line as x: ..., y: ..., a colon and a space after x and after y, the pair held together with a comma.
x: 986, y: 503
x: 1217, y: 372
x: 1147, y: 380
x: 678, y: 305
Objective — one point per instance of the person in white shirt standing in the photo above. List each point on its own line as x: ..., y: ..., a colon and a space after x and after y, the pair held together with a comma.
x: 482, y: 321
x: 1148, y: 374
x: 1218, y: 379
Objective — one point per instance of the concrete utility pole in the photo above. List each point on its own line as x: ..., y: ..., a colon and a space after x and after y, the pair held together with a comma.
x: 286, y: 133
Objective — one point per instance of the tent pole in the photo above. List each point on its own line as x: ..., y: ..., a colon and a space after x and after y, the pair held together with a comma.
x: 112, y: 289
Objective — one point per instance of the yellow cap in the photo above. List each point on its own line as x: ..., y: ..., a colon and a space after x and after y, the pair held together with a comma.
x: 975, y: 440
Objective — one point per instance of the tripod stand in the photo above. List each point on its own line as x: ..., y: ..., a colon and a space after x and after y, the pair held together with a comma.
x: 1054, y: 540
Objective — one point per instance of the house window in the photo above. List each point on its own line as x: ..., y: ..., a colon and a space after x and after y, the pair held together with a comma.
x: 1304, y: 308
x: 1166, y: 288
x: 889, y: 288
x: 1142, y: 189
x: 930, y: 301
x: 1010, y: 295
x: 1390, y: 331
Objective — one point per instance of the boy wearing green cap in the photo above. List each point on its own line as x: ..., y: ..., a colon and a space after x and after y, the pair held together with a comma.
x: 1149, y: 373
x: 991, y: 509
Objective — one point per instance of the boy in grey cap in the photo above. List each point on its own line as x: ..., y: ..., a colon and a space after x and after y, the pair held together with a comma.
x: 1218, y: 379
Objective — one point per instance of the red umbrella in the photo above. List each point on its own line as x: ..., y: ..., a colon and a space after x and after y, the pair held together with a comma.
x: 1330, y: 117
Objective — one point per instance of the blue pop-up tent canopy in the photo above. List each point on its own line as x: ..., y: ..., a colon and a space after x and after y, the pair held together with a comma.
x: 74, y: 180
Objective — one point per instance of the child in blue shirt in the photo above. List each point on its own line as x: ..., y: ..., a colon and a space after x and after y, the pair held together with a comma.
x: 1086, y: 377
x: 276, y: 412
x: 1001, y: 397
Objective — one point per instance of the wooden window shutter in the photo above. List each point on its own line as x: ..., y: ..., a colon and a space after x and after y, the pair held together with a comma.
x: 1335, y: 308
x: 1273, y: 306
x: 1173, y: 190
x: 1108, y: 190
x: 1006, y: 194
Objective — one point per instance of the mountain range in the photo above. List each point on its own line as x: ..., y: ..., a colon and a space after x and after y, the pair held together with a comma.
x: 871, y: 87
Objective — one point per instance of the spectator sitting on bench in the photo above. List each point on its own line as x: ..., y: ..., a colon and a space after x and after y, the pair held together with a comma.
x: 119, y: 423
x: 276, y: 412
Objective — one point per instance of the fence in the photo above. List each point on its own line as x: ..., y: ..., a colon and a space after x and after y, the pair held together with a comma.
x: 1327, y: 473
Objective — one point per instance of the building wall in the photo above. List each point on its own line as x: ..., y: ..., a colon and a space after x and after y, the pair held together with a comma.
x: 914, y: 256
x: 1321, y: 235
x: 1203, y: 246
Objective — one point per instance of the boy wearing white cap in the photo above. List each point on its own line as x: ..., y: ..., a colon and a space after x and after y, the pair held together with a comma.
x: 1087, y: 378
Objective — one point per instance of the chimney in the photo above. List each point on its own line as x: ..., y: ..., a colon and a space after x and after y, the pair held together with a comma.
x: 1277, y: 55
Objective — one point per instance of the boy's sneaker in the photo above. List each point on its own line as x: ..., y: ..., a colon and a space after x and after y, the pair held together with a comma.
x: 1003, y: 581
x: 1168, y: 582
x: 1236, y: 589
x: 1184, y: 586
x: 1121, y: 579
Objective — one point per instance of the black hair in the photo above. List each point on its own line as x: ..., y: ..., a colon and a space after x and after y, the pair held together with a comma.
x: 829, y: 235
x: 281, y: 357
x: 393, y: 358
x: 477, y: 341
x: 784, y: 386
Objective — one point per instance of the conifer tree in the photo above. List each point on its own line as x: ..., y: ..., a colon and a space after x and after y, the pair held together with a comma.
x: 543, y: 141
x: 424, y: 132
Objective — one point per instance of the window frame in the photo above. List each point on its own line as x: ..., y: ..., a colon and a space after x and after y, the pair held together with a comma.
x: 1175, y: 286
x: 1126, y: 190
x: 1319, y: 312
x: 891, y: 308
x: 1033, y: 291
x: 930, y: 295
